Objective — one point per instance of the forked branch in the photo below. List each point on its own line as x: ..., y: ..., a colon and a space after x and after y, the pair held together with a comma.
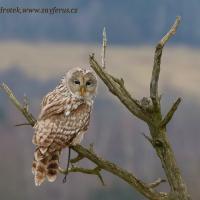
x: 116, y: 87
x: 21, y: 108
x: 95, y: 171
x: 157, y: 61
x: 171, y: 112
x: 151, y: 115
x: 157, y: 182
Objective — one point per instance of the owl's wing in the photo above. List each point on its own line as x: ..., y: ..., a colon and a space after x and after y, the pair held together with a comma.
x: 73, y: 129
x: 53, y: 104
x: 44, y: 132
x: 53, y: 108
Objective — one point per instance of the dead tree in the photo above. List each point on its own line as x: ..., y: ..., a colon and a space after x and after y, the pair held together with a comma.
x: 148, y: 110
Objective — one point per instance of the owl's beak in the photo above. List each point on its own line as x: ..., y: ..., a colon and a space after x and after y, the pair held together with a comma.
x: 82, y: 91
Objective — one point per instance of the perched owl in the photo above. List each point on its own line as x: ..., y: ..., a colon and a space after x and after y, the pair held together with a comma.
x: 63, y: 121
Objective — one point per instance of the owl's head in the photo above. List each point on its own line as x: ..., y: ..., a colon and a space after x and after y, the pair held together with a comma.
x: 82, y: 83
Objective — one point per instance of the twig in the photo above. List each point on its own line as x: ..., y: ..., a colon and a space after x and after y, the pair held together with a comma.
x: 24, y: 124
x: 14, y: 100
x: 76, y: 159
x: 147, y: 138
x: 104, y: 44
x: 26, y: 103
x: 171, y: 112
x: 156, y: 183
x: 94, y: 171
x: 119, y: 81
x: 91, y: 147
x: 157, y: 62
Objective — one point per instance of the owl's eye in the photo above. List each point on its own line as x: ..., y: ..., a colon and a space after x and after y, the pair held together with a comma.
x: 77, y: 82
x: 88, y: 83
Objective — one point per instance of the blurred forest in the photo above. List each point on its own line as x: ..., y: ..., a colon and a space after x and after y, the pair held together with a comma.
x: 115, y: 133
x: 128, y: 22
x: 36, y: 50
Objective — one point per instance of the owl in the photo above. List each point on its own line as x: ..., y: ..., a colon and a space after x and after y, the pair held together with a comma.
x: 63, y: 121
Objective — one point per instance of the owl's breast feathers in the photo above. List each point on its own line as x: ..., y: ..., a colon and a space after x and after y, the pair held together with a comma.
x: 62, y: 118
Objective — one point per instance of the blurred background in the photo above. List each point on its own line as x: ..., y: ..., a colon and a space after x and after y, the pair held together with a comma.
x: 37, y: 49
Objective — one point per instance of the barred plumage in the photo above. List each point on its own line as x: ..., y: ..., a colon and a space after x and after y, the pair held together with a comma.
x: 63, y: 121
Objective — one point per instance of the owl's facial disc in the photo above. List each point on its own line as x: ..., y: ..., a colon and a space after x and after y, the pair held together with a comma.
x: 82, y: 83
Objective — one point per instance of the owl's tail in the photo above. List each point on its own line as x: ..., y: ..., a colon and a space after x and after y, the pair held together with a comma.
x: 45, y: 164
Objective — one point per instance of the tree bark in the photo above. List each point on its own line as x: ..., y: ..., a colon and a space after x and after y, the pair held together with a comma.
x: 164, y: 151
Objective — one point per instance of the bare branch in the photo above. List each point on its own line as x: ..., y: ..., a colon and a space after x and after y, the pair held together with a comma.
x: 91, y: 147
x: 116, y: 87
x: 14, y: 100
x: 157, y: 62
x: 104, y: 44
x: 171, y: 112
x: 147, y: 138
x: 157, y: 182
x: 119, y: 81
x: 94, y: 171
x: 26, y: 103
x: 123, y: 174
x: 24, y: 124
x: 76, y: 159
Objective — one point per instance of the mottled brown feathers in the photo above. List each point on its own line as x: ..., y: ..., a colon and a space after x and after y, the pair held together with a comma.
x: 63, y: 120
